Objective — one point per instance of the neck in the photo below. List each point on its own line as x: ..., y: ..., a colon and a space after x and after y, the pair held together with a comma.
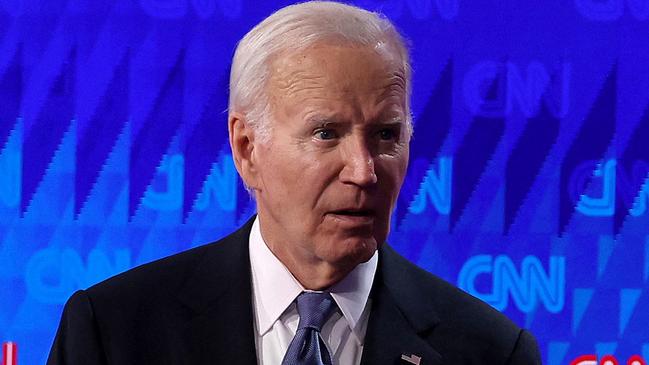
x: 312, y: 272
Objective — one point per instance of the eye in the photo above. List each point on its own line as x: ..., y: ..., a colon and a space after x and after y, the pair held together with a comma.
x: 387, y: 134
x: 325, y: 134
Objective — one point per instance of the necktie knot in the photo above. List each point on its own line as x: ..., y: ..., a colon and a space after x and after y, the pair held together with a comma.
x: 307, y: 347
x: 314, y: 309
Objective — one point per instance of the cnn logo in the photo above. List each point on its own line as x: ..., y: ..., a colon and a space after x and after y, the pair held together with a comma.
x: 9, y: 353
x: 607, y: 360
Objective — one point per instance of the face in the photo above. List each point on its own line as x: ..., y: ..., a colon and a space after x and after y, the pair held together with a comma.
x: 328, y: 177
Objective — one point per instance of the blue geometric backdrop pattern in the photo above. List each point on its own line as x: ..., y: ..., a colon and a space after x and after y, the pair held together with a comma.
x: 528, y: 184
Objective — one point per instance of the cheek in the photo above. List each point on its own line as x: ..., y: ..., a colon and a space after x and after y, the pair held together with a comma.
x: 291, y: 176
x: 401, y: 167
x: 393, y: 171
x: 276, y: 172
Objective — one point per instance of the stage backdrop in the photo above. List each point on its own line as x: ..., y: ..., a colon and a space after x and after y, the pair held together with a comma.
x: 527, y: 187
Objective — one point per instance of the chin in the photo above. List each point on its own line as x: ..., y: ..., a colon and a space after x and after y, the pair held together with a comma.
x: 357, y: 251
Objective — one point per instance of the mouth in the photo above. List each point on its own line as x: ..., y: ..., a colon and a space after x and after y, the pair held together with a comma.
x: 354, y: 216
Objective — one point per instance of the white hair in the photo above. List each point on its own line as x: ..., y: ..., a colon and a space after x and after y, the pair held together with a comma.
x: 294, y: 28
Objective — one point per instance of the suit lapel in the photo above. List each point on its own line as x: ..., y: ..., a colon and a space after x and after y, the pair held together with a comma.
x: 221, y: 329
x: 398, y: 319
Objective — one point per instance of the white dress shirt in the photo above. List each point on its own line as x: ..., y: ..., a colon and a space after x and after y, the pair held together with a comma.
x: 274, y: 290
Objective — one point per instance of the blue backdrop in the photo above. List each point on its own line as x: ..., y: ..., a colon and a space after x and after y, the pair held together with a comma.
x: 528, y: 184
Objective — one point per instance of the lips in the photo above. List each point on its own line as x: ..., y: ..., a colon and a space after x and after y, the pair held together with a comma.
x: 353, y: 218
x: 355, y: 212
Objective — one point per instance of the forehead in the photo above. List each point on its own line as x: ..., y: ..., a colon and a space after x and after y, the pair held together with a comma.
x: 330, y: 69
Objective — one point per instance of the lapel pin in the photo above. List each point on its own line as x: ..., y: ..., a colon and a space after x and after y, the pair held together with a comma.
x: 413, y: 359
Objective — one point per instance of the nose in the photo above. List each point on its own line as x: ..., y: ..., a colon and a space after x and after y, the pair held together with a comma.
x: 358, y: 164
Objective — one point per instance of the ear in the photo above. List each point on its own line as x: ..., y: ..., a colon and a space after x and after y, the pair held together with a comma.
x: 242, y: 143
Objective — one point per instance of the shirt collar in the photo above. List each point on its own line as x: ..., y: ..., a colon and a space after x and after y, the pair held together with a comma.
x: 275, y: 288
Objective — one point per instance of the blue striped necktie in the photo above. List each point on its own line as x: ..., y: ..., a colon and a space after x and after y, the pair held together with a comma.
x: 307, y: 347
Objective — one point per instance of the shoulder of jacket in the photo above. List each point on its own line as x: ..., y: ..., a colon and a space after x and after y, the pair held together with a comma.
x: 167, y: 274
x: 458, y: 312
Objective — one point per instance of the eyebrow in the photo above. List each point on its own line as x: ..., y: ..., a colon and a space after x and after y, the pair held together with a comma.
x: 391, y: 121
x: 321, y: 120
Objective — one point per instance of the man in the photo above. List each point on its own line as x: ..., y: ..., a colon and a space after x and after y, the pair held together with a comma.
x: 319, y: 126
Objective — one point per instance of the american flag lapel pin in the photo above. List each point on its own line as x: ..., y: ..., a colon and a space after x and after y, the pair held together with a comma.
x: 411, y: 359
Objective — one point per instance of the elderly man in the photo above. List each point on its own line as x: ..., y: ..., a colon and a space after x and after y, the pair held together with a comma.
x: 319, y: 126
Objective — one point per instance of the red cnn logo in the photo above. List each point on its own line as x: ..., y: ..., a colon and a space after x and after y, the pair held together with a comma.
x: 9, y: 353
x: 607, y: 360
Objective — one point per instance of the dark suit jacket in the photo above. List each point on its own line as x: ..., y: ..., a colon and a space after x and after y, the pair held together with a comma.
x: 196, y: 308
